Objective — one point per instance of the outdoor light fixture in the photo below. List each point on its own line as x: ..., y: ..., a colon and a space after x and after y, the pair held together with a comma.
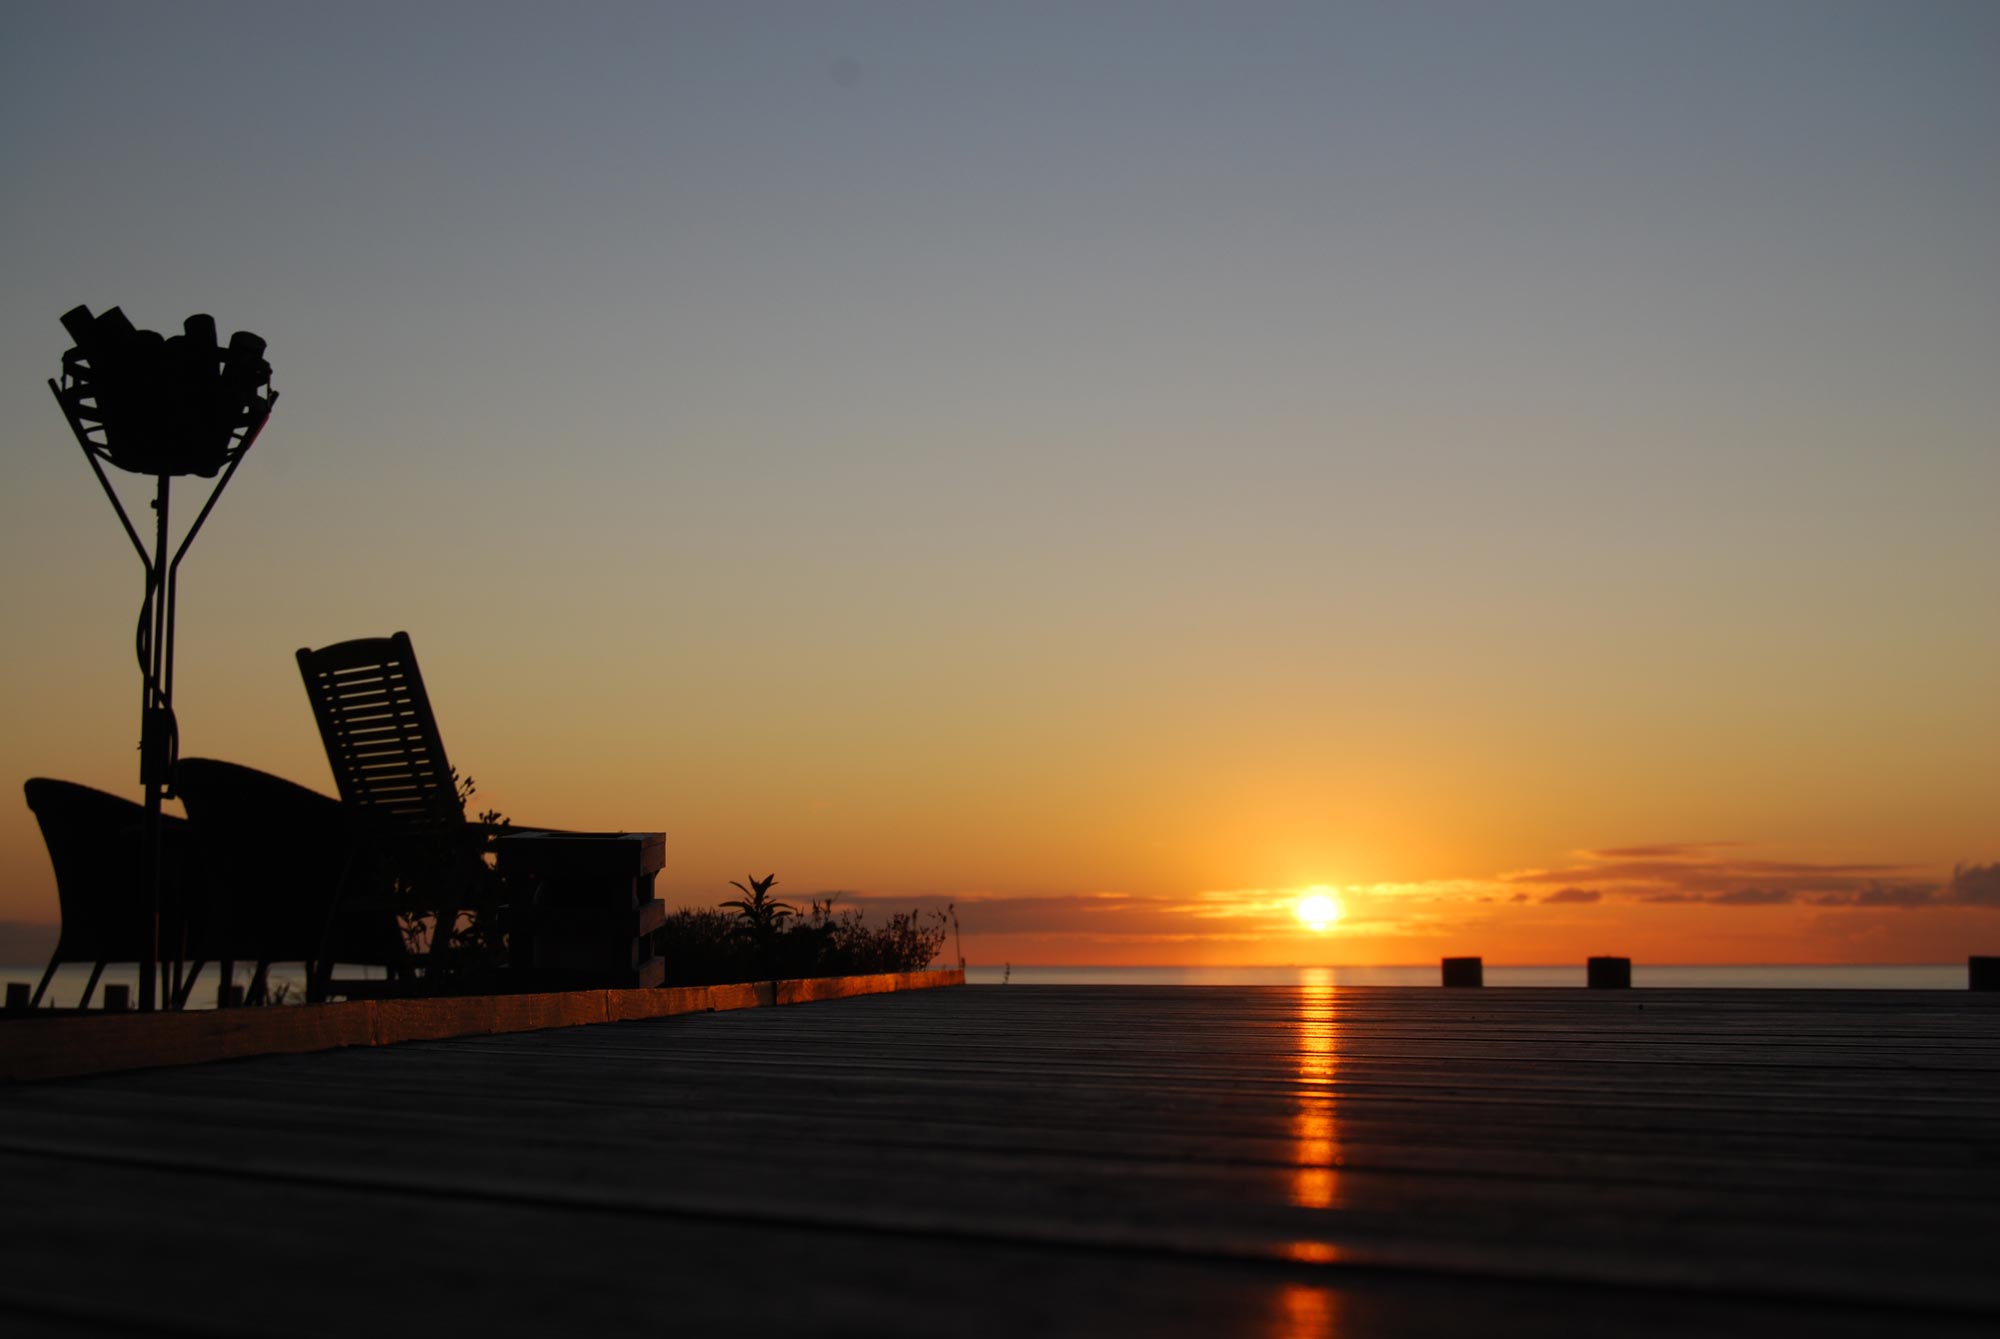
x: 161, y: 407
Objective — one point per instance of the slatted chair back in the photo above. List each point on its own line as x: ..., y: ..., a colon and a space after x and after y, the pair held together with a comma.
x: 380, y: 735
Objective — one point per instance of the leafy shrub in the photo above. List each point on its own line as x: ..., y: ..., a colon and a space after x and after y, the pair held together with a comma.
x: 705, y: 948
x: 456, y: 866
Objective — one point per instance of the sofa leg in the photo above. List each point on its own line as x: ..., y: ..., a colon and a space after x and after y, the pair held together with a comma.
x: 47, y: 976
x: 186, y: 991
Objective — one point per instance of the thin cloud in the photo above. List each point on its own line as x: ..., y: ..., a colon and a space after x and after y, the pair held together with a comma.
x: 1714, y: 873
x: 1896, y: 895
x: 1753, y: 897
x: 1974, y: 886
x: 1736, y: 897
x: 1707, y: 874
x: 1899, y: 895
x: 1659, y: 851
x: 1573, y: 896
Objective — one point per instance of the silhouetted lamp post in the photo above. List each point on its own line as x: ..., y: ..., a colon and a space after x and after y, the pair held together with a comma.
x: 160, y: 407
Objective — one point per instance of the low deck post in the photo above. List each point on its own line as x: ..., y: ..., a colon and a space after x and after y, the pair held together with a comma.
x: 1982, y: 973
x: 1609, y: 973
x: 1464, y: 972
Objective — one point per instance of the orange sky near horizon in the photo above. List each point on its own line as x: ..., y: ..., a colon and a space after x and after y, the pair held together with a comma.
x: 1693, y: 904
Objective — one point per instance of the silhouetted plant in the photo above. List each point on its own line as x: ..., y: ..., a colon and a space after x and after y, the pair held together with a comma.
x: 458, y: 869
x: 703, y: 946
x: 761, y: 916
x: 907, y: 943
x: 480, y: 937
x: 711, y: 947
x: 811, y: 937
x: 760, y: 913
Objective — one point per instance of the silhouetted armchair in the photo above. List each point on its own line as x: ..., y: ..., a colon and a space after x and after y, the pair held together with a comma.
x: 94, y: 841
x: 282, y: 862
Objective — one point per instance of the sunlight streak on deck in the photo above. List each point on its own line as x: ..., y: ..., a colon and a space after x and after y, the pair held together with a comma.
x: 1315, y: 1123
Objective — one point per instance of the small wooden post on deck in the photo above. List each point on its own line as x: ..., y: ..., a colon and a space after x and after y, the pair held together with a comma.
x: 1464, y: 972
x: 1982, y: 973
x: 117, y: 999
x: 1609, y: 973
x: 17, y: 996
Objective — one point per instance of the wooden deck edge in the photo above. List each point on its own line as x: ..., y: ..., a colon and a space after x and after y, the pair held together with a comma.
x: 70, y: 1047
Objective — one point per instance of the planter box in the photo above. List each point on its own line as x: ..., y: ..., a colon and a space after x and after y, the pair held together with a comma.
x: 583, y: 913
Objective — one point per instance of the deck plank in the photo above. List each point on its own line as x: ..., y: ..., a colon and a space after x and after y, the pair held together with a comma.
x: 1192, y: 1160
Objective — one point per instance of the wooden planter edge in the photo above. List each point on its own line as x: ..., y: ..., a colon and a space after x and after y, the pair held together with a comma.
x: 74, y: 1046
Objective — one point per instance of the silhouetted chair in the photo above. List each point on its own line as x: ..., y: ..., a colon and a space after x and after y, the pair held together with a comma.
x: 381, y: 738
x: 403, y: 804
x: 280, y: 859
x: 95, y: 844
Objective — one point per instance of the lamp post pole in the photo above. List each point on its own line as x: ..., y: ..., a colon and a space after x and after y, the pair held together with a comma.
x: 156, y: 715
x: 196, y: 410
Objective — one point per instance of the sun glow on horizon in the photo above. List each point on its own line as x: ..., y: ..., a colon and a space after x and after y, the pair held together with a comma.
x: 1318, y: 908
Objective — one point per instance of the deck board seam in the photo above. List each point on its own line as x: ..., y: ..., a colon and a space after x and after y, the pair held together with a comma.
x: 1103, y: 1245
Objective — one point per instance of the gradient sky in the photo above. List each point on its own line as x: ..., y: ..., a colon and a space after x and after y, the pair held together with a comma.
x: 1530, y: 468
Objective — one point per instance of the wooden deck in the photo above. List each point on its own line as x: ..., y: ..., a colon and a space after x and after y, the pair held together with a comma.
x: 1047, y: 1160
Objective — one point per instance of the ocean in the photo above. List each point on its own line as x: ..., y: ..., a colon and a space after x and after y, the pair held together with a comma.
x: 1937, y: 976
x: 69, y: 981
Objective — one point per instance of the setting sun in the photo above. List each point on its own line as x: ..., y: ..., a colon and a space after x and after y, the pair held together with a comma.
x: 1319, y: 908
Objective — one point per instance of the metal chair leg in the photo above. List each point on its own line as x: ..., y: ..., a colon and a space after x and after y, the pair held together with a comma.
x: 91, y: 987
x: 186, y: 990
x: 47, y: 976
